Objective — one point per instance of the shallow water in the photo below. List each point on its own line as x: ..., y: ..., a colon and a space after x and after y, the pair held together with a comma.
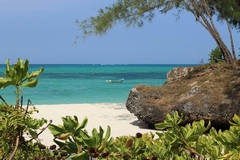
x: 76, y: 83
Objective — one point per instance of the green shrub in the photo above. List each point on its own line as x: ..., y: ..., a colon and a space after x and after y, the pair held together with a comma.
x: 216, y: 56
x: 16, y: 121
x: 193, y: 141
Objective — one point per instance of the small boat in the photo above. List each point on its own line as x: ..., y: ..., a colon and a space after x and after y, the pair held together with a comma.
x: 115, y: 81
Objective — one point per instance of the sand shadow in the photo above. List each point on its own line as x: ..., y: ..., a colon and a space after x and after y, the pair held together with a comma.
x: 141, y: 124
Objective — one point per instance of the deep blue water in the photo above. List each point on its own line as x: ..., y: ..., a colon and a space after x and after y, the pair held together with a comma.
x: 76, y: 83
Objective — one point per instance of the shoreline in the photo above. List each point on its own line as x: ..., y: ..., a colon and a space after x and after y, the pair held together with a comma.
x: 115, y: 115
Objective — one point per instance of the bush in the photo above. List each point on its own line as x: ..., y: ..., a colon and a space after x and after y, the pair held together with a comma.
x: 216, y: 56
x: 15, y: 120
x: 193, y: 141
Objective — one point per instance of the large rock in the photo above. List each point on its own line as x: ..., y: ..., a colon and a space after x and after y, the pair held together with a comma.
x: 140, y: 102
x: 209, y: 92
x: 178, y: 73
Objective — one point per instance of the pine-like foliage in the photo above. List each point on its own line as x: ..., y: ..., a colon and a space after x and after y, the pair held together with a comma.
x: 135, y: 12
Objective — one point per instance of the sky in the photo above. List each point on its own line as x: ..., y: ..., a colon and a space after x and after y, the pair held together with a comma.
x: 44, y: 31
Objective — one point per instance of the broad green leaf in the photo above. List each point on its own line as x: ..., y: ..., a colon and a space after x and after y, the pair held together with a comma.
x: 84, y: 123
x: 79, y: 140
x: 108, y: 133
x: 101, y: 131
x: 192, y: 138
x: 236, y: 120
x: 214, y: 151
x: 59, y: 143
x: 33, y: 133
x: 140, y: 150
x: 175, y: 117
x: 202, y: 122
x: 169, y: 117
x: 89, y: 142
x: 84, y: 134
x: 188, y: 133
x: 18, y: 75
x: 63, y: 136
x: 19, y: 68
x: 35, y: 123
x: 80, y: 156
x: 228, y: 137
x: 96, y: 136
x: 4, y: 82
x: 227, y: 156
x: 213, y: 133
x: 7, y: 65
x: 69, y: 124
x: 208, y: 126
x: 25, y: 67
x: 180, y: 118
x: 162, y: 126
x: 176, y: 157
x: 30, y: 83
x: 35, y: 73
x: 55, y: 130
x: 75, y: 119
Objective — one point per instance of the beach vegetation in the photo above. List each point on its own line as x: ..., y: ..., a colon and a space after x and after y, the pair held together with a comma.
x: 18, y: 129
x: 74, y: 139
x: 135, y: 12
x: 216, y: 56
x: 172, y: 141
x: 19, y: 77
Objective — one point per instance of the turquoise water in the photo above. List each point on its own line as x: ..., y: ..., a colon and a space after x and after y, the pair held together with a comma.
x: 73, y: 83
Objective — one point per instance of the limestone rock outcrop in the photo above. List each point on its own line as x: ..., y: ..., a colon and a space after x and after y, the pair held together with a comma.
x: 208, y: 92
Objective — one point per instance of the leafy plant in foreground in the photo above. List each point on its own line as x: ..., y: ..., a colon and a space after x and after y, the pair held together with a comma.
x: 229, y: 139
x: 194, y: 141
x: 181, y: 140
x: 72, y: 138
x: 16, y: 121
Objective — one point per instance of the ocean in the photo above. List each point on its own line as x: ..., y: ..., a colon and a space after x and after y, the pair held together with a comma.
x: 86, y: 83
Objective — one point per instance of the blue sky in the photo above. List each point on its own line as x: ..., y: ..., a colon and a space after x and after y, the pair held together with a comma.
x: 44, y: 31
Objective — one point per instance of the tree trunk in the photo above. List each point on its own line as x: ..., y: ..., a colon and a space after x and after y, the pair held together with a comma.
x: 209, y: 25
x: 225, y: 51
x: 231, y: 40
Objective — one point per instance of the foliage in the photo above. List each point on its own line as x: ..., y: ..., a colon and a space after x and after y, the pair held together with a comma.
x: 172, y: 141
x: 19, y: 77
x: 228, y: 9
x: 193, y: 141
x: 77, y: 142
x: 135, y: 12
x: 72, y: 138
x: 181, y: 140
x: 216, y: 56
x: 17, y: 128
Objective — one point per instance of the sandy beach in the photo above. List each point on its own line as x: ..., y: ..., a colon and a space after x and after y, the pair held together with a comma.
x: 121, y: 121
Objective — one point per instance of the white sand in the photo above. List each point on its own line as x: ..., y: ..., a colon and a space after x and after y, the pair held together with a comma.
x: 121, y: 121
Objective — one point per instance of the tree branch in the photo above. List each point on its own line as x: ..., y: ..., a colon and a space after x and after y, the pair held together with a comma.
x: 4, y: 101
x: 15, y: 149
x: 41, y: 131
